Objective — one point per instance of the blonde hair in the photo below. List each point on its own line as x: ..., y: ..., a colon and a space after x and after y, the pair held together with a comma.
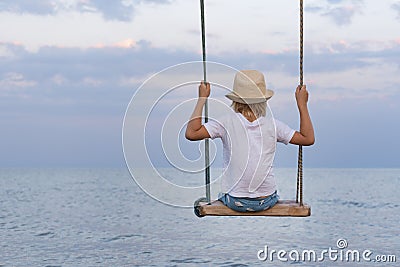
x: 258, y: 109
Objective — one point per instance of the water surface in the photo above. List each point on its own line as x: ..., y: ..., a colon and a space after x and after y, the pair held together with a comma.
x: 98, y: 217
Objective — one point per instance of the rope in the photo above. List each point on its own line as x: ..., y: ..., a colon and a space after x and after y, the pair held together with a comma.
x: 299, y: 192
x: 207, y: 143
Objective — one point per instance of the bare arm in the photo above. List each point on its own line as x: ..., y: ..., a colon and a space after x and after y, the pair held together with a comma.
x: 194, y: 129
x: 306, y: 135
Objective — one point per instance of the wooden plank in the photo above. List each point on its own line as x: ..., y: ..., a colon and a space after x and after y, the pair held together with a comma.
x: 282, y: 208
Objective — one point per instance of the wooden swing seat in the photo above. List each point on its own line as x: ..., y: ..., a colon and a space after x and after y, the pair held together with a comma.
x: 287, y: 208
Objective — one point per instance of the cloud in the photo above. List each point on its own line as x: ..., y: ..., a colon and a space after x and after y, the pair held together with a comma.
x: 341, y: 12
x: 335, y: 1
x: 106, y: 76
x: 7, y: 50
x: 111, y: 10
x: 76, y: 80
x: 37, y: 7
x: 121, y: 10
x: 68, y: 103
x: 126, y: 62
x: 102, y: 80
x: 313, y: 8
x: 13, y: 80
x: 341, y: 15
x: 329, y: 57
x: 396, y: 7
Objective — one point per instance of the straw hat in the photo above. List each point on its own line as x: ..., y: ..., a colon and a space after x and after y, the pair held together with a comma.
x: 249, y: 88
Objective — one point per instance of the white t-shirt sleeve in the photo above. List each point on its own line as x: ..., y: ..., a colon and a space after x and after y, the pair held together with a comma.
x: 283, y: 132
x: 214, y: 129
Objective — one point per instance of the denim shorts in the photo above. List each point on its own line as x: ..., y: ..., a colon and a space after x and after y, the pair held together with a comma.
x: 245, y: 204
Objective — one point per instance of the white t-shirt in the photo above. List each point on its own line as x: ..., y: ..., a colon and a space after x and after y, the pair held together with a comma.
x: 248, y: 152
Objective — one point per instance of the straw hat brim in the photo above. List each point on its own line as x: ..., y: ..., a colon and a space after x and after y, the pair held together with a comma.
x: 250, y: 100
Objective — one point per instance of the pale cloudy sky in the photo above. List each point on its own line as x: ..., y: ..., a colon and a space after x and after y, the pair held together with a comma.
x: 69, y: 69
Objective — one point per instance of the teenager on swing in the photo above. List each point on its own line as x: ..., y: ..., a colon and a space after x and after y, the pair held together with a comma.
x: 249, y: 135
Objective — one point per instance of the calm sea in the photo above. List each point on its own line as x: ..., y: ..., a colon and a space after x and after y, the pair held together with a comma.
x: 97, y: 217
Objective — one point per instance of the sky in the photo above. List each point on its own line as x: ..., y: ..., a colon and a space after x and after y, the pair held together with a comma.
x: 69, y: 69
